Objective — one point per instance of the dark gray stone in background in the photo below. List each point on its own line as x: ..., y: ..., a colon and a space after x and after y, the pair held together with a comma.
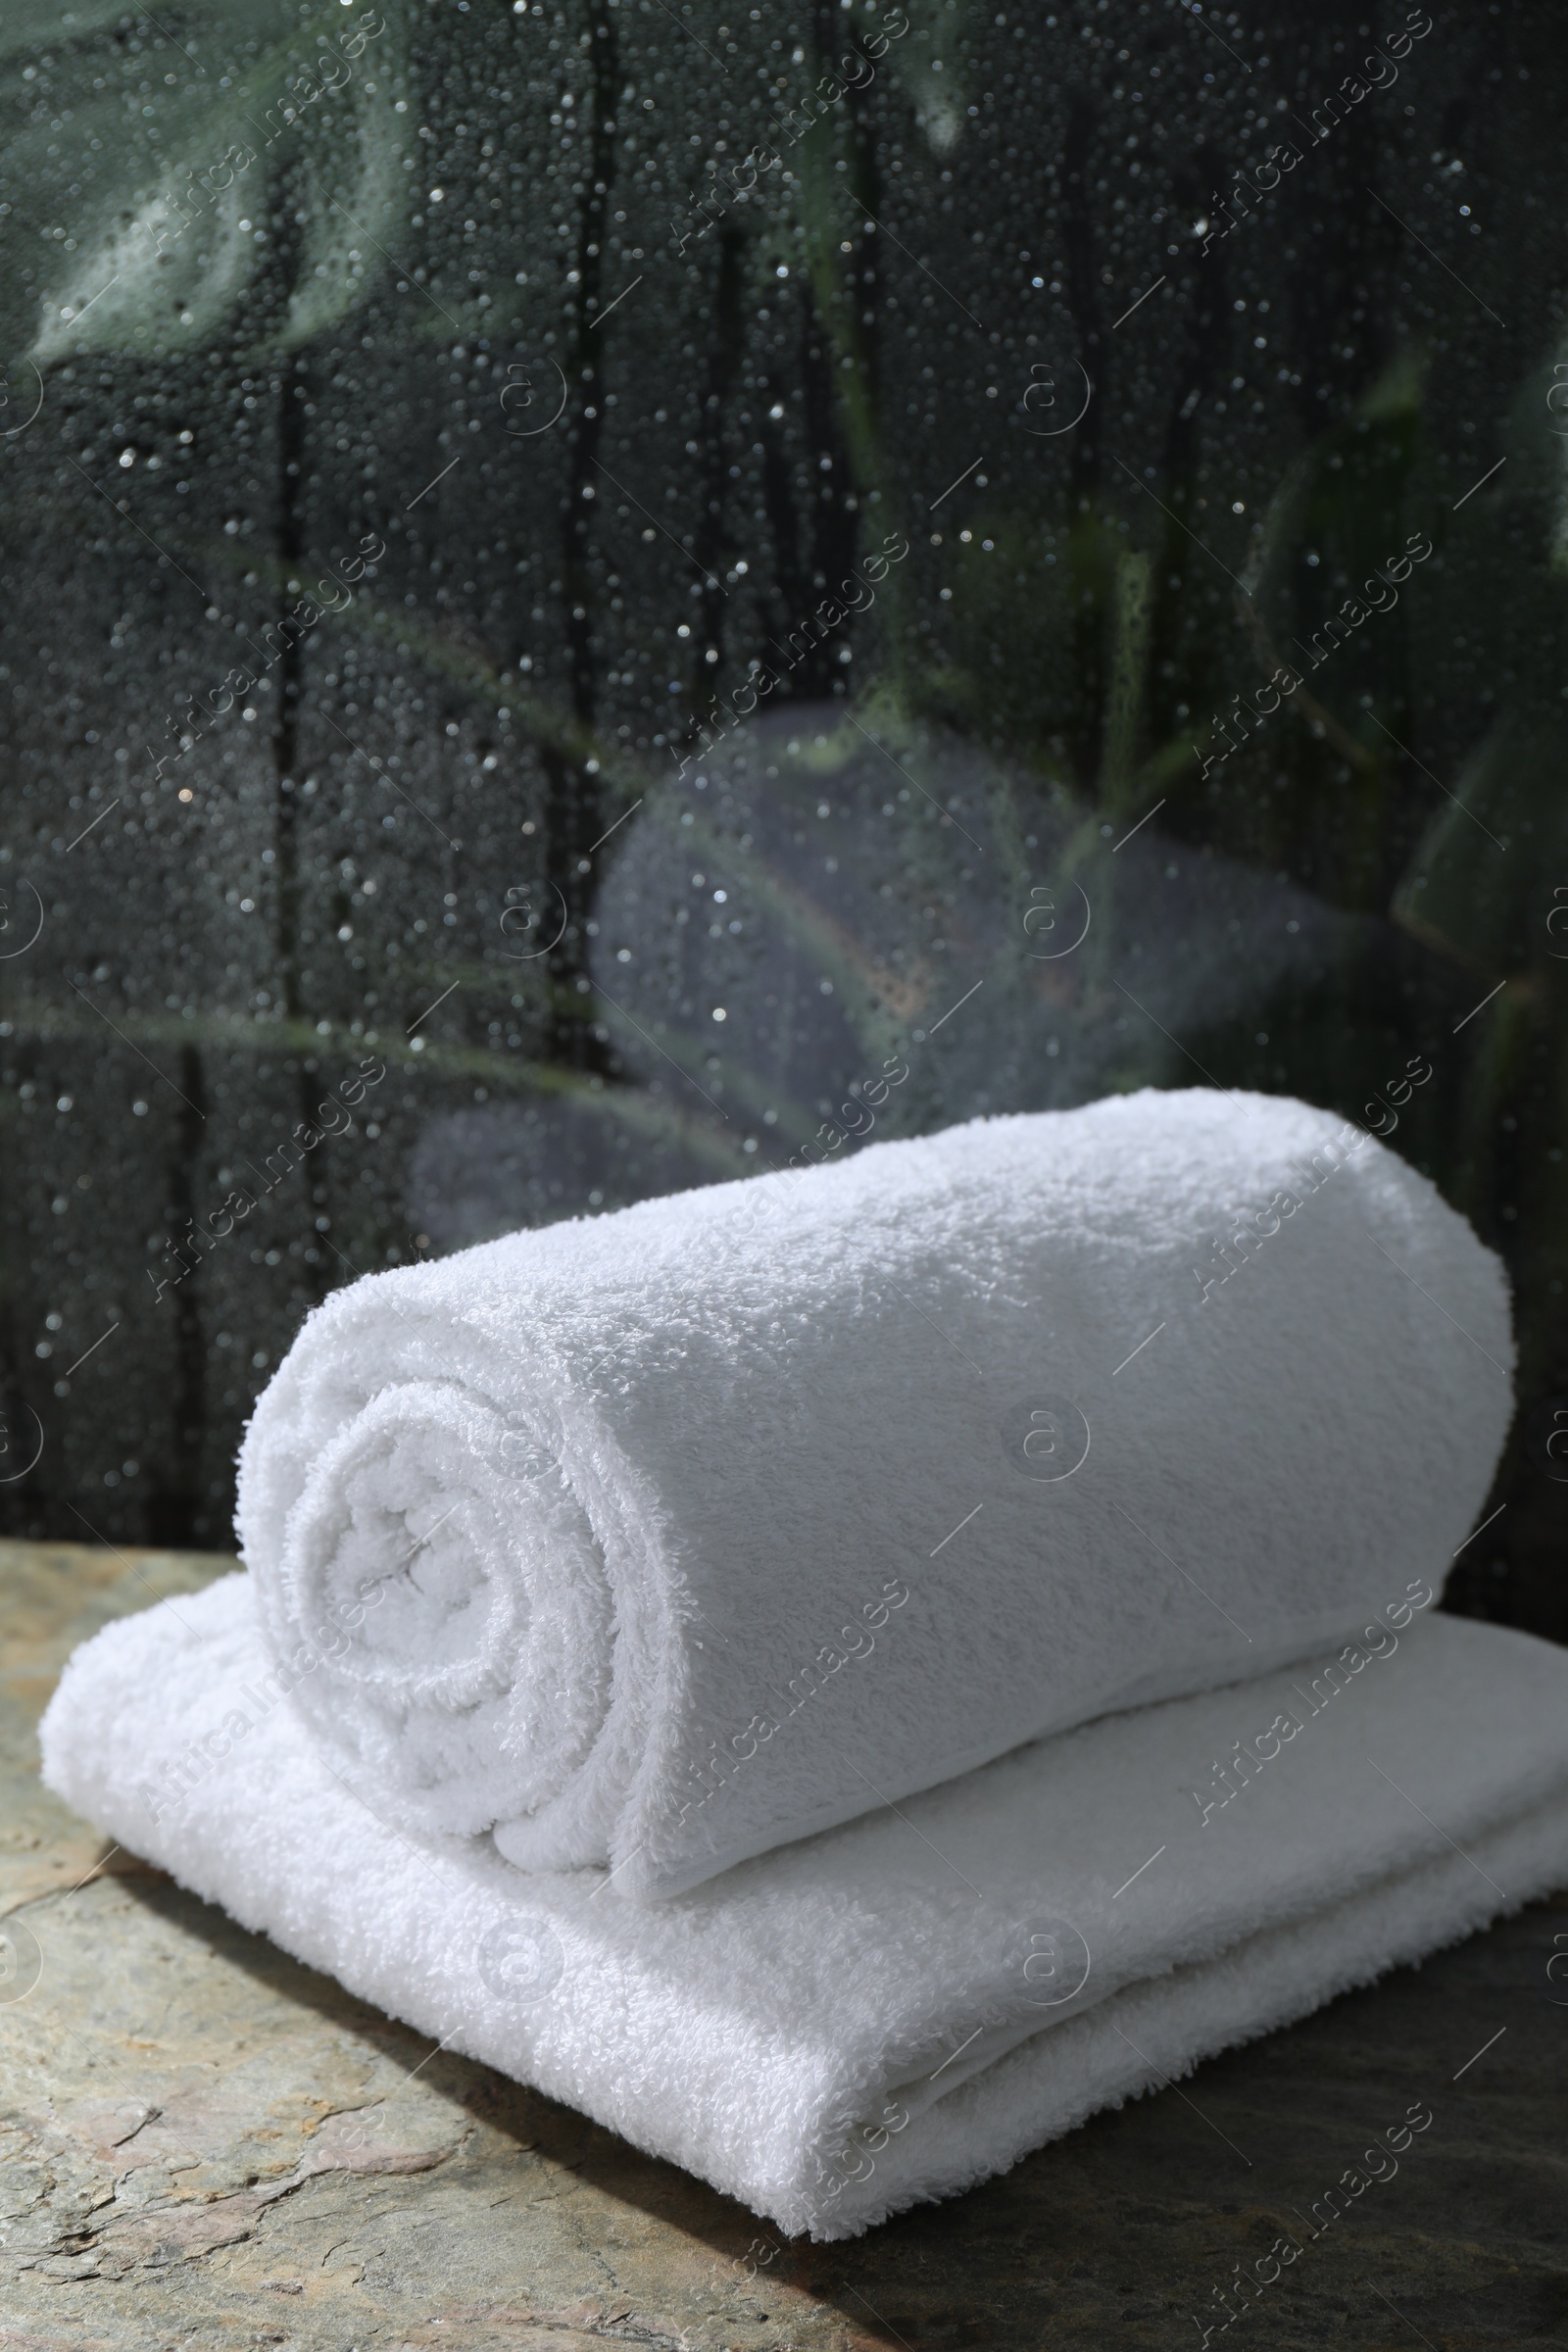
x: 203, y: 2143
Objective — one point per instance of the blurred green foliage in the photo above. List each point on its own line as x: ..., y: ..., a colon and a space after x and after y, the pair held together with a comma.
x: 1107, y: 590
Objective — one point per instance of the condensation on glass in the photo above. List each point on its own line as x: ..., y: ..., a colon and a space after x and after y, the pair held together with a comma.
x: 603, y: 595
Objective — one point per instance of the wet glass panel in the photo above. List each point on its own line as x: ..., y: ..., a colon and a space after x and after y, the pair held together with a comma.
x: 603, y: 595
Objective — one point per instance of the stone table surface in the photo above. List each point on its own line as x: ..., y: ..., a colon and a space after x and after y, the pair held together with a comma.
x: 204, y: 2144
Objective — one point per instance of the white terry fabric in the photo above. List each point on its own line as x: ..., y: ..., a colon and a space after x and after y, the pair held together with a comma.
x: 639, y: 1538
x: 851, y: 2024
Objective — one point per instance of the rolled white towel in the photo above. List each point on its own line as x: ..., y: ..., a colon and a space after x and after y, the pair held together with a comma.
x: 655, y: 1540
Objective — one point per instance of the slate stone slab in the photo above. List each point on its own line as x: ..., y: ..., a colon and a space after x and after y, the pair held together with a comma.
x: 202, y: 2144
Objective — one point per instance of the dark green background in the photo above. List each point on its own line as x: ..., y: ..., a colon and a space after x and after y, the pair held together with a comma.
x: 951, y: 254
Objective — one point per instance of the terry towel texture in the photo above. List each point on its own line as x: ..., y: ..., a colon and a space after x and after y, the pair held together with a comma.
x: 894, y: 2009
x: 659, y: 1539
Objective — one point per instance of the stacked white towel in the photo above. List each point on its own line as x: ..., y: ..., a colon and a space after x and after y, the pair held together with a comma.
x: 893, y: 2010
x: 648, y: 1553
x: 658, y: 1540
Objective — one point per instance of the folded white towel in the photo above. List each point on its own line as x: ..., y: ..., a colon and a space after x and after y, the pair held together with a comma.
x: 896, y: 2009
x: 661, y: 1538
